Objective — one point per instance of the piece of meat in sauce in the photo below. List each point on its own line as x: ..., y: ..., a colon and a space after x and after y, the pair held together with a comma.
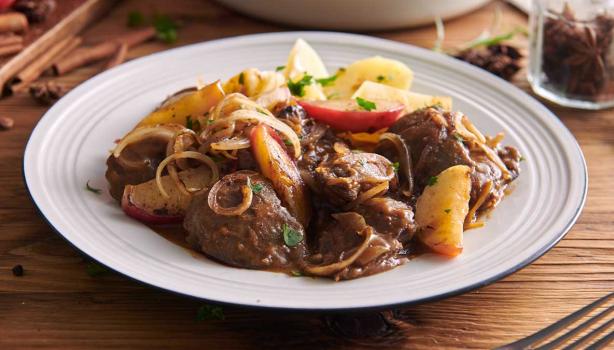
x: 342, y: 238
x: 253, y: 239
x: 343, y: 177
x: 438, y: 139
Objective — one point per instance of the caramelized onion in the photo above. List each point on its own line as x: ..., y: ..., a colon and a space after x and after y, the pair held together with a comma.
x: 484, y: 192
x: 404, y: 160
x: 246, y: 190
x: 327, y: 270
x: 215, y: 173
x: 142, y: 133
x: 370, y: 193
x: 231, y: 144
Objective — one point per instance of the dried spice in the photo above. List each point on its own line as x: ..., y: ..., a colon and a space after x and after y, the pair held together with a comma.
x: 35, y: 10
x: 499, y: 59
x: 47, y: 93
x: 17, y: 270
x: 576, y: 53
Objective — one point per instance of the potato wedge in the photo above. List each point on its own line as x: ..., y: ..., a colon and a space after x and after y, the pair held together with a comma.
x: 376, y: 69
x: 412, y: 100
x: 303, y: 59
x: 189, y: 105
x: 442, y: 208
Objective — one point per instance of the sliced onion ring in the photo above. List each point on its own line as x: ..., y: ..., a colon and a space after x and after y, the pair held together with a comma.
x: 248, y: 115
x: 141, y: 133
x: 370, y: 193
x: 246, y: 202
x: 215, y: 173
x: 231, y: 144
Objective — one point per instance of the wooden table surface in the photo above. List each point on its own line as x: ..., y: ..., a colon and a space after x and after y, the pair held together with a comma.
x: 56, y: 304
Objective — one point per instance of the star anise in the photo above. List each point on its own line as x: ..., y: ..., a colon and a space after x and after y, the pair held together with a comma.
x: 499, y: 59
x: 574, y: 57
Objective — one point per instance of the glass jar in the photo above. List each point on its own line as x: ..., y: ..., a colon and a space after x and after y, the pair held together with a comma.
x: 571, y: 52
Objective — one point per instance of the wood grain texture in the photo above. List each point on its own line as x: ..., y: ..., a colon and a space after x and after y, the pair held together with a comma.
x: 57, y: 305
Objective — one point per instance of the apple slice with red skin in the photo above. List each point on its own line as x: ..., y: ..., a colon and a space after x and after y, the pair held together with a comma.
x: 348, y: 115
x: 145, y: 203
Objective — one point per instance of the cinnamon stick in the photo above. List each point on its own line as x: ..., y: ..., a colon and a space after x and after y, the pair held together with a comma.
x: 10, y: 49
x: 119, y: 57
x: 37, y: 67
x: 84, y: 56
x: 10, y: 40
x: 15, y: 22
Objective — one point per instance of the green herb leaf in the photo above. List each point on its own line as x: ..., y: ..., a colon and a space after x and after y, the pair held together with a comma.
x: 333, y: 95
x: 432, y: 180
x: 448, y: 210
x: 280, y: 68
x: 365, y: 104
x: 135, y: 19
x: 522, y: 158
x: 192, y: 124
x: 92, y: 189
x: 94, y: 269
x: 396, y: 165
x: 241, y: 78
x: 209, y: 312
x: 297, y: 88
x: 291, y: 237
x: 287, y: 142
x: 380, y: 78
x: 327, y: 81
x: 210, y: 121
x: 458, y: 137
x: 166, y: 29
x: 296, y: 273
x: 256, y: 188
x: 494, y: 40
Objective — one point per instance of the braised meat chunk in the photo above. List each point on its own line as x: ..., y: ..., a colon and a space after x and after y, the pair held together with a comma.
x: 253, y: 235
x: 344, y: 177
x: 438, y: 140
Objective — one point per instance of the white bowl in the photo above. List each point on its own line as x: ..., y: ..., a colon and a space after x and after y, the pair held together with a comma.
x: 353, y: 14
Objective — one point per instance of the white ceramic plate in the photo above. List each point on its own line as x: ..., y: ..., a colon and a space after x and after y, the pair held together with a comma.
x: 71, y: 142
x: 357, y: 14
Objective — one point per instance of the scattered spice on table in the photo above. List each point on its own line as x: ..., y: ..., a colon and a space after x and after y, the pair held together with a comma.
x: 17, y: 270
x: 47, y: 93
x: 576, y: 53
x: 500, y: 59
x: 6, y: 123
x: 210, y: 312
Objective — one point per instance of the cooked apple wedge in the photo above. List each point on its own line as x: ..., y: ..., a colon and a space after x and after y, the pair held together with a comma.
x: 191, y: 104
x: 442, y: 208
x: 145, y: 203
x: 303, y: 59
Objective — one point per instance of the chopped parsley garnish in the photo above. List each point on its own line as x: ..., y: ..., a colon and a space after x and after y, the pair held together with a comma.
x: 287, y: 142
x: 94, y: 269
x: 241, y: 78
x: 327, y: 81
x: 135, y: 19
x: 166, y: 29
x: 92, y: 189
x: 432, y: 180
x: 522, y: 158
x: 447, y: 210
x: 280, y: 68
x: 192, y: 124
x: 209, y: 312
x: 333, y: 95
x: 296, y: 273
x: 291, y: 237
x: 261, y: 111
x: 458, y: 137
x: 396, y: 165
x: 210, y: 121
x: 256, y: 188
x: 365, y: 104
x: 380, y: 78
x: 297, y: 88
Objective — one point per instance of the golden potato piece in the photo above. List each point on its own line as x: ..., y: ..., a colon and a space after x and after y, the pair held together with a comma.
x: 442, y: 208
x: 412, y: 100
x: 376, y: 69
